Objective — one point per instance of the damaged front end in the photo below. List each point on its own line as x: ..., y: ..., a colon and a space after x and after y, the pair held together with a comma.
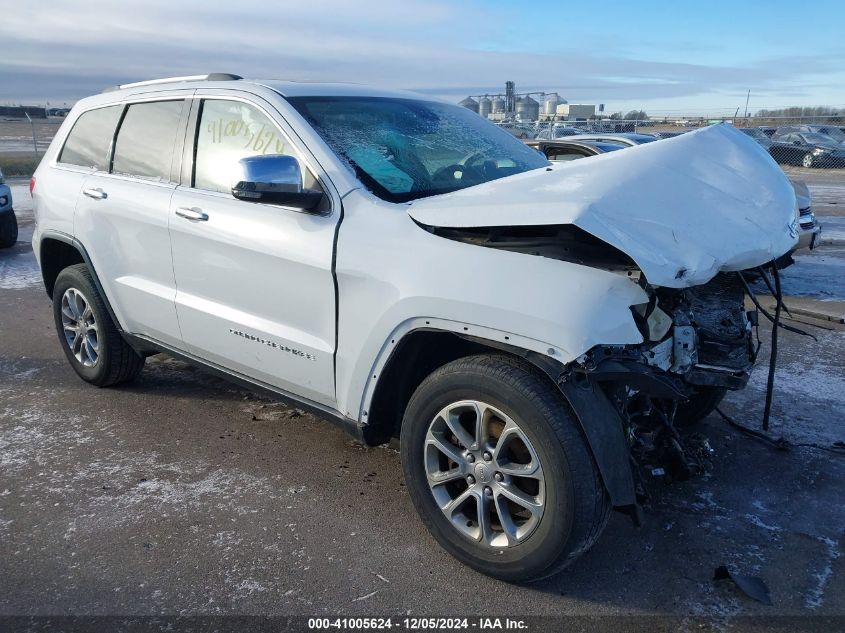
x: 699, y: 342
x: 680, y: 218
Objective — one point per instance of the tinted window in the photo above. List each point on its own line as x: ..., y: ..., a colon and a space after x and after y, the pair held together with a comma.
x: 88, y: 143
x: 146, y: 140
x: 229, y: 131
x: 565, y: 153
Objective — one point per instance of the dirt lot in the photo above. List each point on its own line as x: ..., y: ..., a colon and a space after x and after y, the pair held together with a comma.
x: 182, y: 494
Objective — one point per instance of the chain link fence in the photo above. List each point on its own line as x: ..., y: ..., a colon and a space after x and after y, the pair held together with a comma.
x: 23, y: 143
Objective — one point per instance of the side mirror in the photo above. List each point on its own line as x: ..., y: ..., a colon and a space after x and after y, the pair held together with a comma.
x: 274, y: 178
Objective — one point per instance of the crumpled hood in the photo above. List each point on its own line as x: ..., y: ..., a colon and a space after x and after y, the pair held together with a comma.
x: 683, y: 208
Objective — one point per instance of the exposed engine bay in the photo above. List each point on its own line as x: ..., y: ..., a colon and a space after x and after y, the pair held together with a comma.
x: 700, y: 341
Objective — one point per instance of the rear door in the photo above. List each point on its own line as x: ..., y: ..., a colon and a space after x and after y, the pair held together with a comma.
x: 255, y: 285
x: 122, y: 217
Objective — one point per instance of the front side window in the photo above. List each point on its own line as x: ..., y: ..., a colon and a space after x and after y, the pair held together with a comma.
x: 229, y: 131
x: 146, y: 140
x: 88, y: 143
x: 403, y: 149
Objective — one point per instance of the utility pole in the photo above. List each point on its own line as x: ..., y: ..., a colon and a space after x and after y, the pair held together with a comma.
x: 32, y: 125
x: 747, y: 97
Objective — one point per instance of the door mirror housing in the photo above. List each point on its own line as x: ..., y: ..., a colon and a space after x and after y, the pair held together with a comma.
x: 274, y: 178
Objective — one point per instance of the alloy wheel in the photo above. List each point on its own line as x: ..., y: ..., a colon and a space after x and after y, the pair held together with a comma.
x: 80, y: 327
x: 484, y: 474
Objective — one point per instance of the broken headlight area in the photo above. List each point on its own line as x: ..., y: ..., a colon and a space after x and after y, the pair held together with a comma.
x: 699, y: 342
x: 564, y: 242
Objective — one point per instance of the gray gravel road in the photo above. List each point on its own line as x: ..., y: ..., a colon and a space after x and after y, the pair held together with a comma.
x: 182, y: 494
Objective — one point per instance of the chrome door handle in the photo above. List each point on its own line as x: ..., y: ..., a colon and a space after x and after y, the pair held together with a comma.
x: 192, y: 214
x: 97, y: 194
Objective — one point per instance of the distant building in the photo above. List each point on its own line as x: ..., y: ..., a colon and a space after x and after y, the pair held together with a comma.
x: 575, y: 111
x: 522, y: 107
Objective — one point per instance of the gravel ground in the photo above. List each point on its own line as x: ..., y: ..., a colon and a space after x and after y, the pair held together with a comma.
x: 183, y: 495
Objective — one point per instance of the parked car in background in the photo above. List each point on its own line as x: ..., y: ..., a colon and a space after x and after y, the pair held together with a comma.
x: 570, y: 150
x: 665, y: 135
x: 758, y: 135
x: 808, y: 149
x: 809, y: 230
x: 831, y: 131
x: 627, y: 139
x: 8, y: 221
x: 767, y: 130
x: 558, y: 132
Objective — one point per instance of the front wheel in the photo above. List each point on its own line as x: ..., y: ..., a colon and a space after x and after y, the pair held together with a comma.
x: 499, y: 470
x: 807, y: 161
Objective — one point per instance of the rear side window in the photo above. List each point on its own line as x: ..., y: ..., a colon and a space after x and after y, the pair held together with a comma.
x: 88, y: 143
x: 146, y: 140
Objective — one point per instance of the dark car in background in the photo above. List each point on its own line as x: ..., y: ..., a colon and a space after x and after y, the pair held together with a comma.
x: 758, y: 135
x: 767, y: 130
x: 572, y: 150
x: 832, y: 131
x: 8, y: 222
x: 809, y: 149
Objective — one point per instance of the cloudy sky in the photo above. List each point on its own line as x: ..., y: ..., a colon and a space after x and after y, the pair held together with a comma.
x: 663, y: 57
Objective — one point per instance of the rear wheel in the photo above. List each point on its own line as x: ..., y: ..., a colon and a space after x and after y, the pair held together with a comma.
x: 499, y: 470
x: 8, y: 230
x: 699, y: 406
x: 807, y: 161
x: 89, y: 339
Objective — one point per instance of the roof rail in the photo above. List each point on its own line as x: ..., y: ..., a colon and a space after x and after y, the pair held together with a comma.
x: 169, y: 80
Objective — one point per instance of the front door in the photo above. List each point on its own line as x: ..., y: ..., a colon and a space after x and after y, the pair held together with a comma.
x: 255, y: 288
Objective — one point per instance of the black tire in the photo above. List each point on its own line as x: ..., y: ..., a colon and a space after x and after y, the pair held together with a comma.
x: 117, y: 362
x: 8, y: 229
x: 577, y: 505
x: 699, y: 406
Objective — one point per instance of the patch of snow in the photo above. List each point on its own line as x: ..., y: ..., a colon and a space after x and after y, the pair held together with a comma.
x: 815, y: 596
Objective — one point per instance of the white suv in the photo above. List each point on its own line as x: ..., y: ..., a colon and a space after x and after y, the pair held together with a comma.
x: 407, y: 269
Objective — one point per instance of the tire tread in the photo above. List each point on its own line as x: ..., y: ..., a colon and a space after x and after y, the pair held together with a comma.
x: 592, y: 509
x: 124, y: 364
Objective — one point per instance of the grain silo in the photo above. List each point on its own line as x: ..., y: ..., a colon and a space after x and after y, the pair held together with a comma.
x: 527, y: 109
x: 485, y: 106
x: 532, y: 108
